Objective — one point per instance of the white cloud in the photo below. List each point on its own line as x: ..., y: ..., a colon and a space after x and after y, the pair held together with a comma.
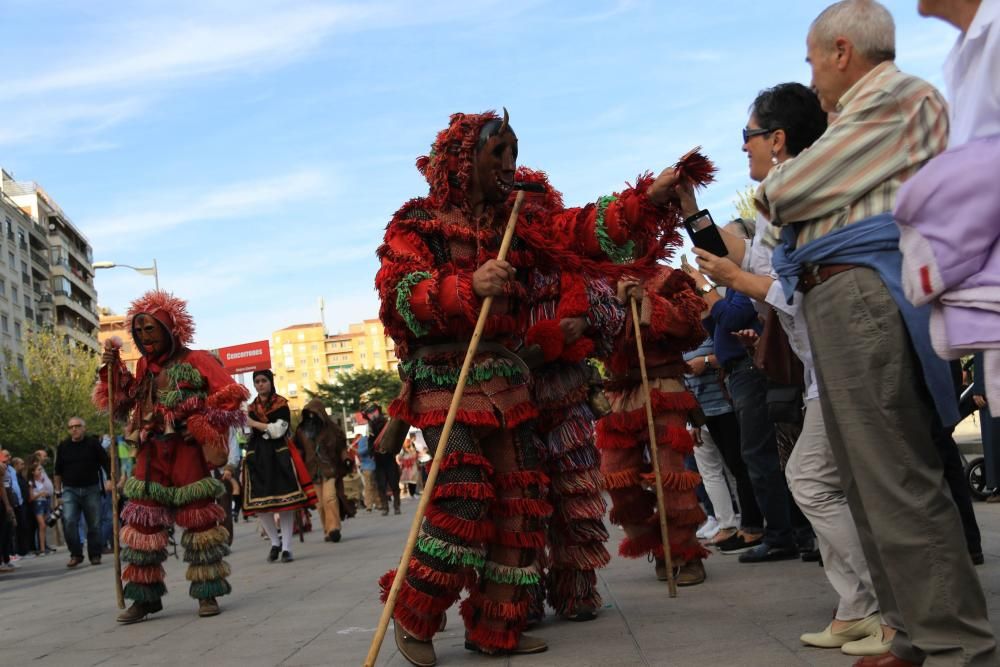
x: 144, y: 215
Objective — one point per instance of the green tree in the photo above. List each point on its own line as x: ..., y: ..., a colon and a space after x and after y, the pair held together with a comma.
x: 353, y: 387
x: 55, y: 384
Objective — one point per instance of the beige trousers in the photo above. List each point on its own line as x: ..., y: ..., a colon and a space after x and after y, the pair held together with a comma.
x: 329, y: 508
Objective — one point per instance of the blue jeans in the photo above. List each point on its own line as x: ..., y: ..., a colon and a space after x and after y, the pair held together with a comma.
x: 85, y: 499
x: 748, y: 389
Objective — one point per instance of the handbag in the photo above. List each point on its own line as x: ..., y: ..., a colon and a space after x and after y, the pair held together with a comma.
x: 774, y: 356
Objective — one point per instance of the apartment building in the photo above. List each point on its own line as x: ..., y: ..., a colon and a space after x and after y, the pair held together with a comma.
x: 298, y: 361
x: 112, y: 325
x: 54, y: 261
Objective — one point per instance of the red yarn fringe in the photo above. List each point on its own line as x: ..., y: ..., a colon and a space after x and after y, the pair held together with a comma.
x: 491, y: 639
x: 410, y: 598
x: 510, y: 507
x: 195, y: 518
x: 500, y: 610
x: 456, y: 459
x: 470, y: 531
x: 549, y: 336
x: 144, y: 574
x: 521, y: 479
x: 634, y: 420
x: 228, y: 398
x: 622, y: 479
x: 522, y: 540
x: 138, y: 513
x: 417, y: 625
x: 640, y: 546
x: 132, y: 537
x: 469, y: 490
x: 452, y: 581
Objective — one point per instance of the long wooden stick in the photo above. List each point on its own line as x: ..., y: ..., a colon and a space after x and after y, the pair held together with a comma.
x: 449, y: 422
x: 113, y: 451
x: 664, y: 530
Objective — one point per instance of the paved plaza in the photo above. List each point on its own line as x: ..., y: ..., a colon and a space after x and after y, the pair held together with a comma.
x: 322, y: 610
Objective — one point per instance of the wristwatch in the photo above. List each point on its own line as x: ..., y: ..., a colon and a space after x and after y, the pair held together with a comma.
x: 708, y: 362
x: 706, y: 289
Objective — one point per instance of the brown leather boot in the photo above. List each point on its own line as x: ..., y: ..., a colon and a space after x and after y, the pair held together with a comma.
x: 417, y: 651
x: 691, y: 573
x: 138, y: 612
x: 208, y: 607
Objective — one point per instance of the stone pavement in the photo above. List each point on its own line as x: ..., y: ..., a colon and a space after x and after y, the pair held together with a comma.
x: 322, y: 610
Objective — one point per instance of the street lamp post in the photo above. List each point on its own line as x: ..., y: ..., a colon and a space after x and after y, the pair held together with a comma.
x: 144, y: 270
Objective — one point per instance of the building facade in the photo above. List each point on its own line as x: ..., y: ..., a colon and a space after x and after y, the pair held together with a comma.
x: 56, y: 259
x: 302, y: 356
x: 114, y: 325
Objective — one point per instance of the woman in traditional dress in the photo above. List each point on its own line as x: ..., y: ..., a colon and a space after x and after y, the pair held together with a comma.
x: 275, y: 479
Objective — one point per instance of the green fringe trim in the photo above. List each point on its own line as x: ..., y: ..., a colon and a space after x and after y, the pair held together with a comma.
x: 136, y: 557
x: 507, y: 574
x: 137, y: 489
x: 202, y: 590
x: 205, y: 538
x: 403, y: 288
x: 418, y: 213
x: 617, y: 254
x: 172, y: 397
x: 187, y: 374
x: 145, y: 592
x: 207, y: 573
x: 206, y: 556
x: 207, y: 488
x: 451, y: 553
x: 445, y: 376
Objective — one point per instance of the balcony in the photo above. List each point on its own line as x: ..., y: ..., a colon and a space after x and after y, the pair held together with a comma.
x: 29, y: 312
x: 76, y: 278
x: 77, y: 307
x: 39, y: 259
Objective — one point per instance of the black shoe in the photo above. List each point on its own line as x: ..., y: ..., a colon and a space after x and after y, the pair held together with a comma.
x: 286, y: 557
x: 397, y: 511
x: 273, y: 554
x: 765, y: 552
x: 809, y: 553
x: 737, y: 544
x: 95, y: 560
x: 334, y: 535
x: 977, y: 558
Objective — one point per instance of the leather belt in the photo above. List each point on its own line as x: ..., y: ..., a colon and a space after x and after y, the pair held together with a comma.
x: 817, y: 275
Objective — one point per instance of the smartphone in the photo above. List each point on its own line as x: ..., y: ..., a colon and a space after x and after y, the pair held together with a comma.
x: 704, y: 234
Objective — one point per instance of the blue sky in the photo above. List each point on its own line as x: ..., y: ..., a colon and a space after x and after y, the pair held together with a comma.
x: 257, y: 149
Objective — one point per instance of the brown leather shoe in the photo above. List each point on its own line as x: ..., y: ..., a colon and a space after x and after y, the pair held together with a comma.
x: 74, y: 561
x: 95, y: 560
x: 525, y: 646
x: 884, y: 660
x: 418, y: 652
x: 691, y: 573
x: 208, y: 607
x: 138, y: 611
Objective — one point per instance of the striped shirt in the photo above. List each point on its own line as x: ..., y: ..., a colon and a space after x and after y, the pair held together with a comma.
x: 889, y: 125
x: 707, y: 387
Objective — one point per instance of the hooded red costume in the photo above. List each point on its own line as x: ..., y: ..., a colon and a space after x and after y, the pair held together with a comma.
x: 179, y: 405
x: 486, y: 521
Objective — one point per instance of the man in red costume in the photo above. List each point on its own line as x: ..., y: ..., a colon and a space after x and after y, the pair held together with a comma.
x: 486, y: 519
x: 180, y: 405
x: 670, y: 321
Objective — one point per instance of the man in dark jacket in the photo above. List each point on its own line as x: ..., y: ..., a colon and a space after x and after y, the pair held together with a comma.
x: 324, y: 450
x: 77, y: 486
x: 386, y: 468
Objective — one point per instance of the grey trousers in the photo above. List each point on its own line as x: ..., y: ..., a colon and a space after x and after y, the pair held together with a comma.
x: 878, y: 418
x: 815, y: 483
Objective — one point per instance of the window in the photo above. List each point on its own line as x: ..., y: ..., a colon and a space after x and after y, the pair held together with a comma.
x: 287, y: 348
x: 289, y: 362
x: 17, y: 330
x: 314, y: 347
x: 302, y: 336
x: 13, y: 294
x: 302, y: 348
x: 10, y: 260
x: 293, y: 389
x: 4, y: 324
x: 3, y: 287
x: 20, y: 363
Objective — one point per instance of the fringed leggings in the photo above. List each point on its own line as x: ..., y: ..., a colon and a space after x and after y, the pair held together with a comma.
x: 172, y: 483
x: 623, y: 437
x: 576, y: 535
x: 483, y: 529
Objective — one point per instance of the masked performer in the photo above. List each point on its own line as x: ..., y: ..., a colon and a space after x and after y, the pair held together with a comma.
x: 486, y: 520
x: 670, y: 320
x: 275, y: 479
x: 180, y: 405
x: 324, y: 448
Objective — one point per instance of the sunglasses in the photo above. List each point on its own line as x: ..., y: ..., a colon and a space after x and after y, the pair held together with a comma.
x: 749, y: 134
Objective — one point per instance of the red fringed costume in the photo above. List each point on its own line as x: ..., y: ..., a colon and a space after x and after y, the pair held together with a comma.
x: 486, y: 523
x: 180, y: 407
x: 670, y: 320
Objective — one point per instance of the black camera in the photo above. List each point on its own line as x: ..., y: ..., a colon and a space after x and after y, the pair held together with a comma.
x: 54, y: 517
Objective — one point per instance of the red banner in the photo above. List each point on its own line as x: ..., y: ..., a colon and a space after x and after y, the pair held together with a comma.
x: 246, y: 357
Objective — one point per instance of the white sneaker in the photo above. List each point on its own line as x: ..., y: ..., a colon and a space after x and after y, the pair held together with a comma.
x: 708, y: 529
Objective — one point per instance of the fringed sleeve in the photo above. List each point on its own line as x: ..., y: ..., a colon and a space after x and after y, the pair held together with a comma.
x: 418, y: 297
x: 606, y: 316
x: 125, y: 388
x: 672, y: 308
x: 223, y: 399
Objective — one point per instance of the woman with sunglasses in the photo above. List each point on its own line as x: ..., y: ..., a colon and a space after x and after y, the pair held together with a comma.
x: 784, y: 121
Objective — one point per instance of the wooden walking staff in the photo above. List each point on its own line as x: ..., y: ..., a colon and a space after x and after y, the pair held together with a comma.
x: 113, y: 452
x: 664, y: 530
x: 449, y: 422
